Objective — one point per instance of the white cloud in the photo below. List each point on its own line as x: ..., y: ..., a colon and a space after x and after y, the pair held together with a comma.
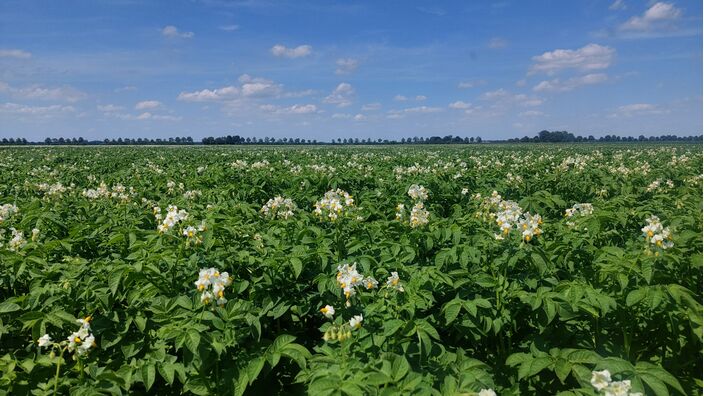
x: 412, y: 110
x: 402, y: 98
x: 208, y: 95
x: 239, y: 98
x: 15, y: 53
x: 295, y: 109
x: 110, y: 108
x: 589, y: 57
x: 147, y: 104
x: 658, y: 15
x: 504, y: 98
x: 459, y: 105
x: 149, y: 116
x: 171, y: 31
x: 470, y: 84
x: 345, y: 116
x: 637, y: 109
x: 346, y: 65
x: 260, y: 89
x: 341, y: 96
x: 556, y: 85
x: 230, y: 28
x: 497, y: 42
x: 617, y: 5
x: 298, y: 52
x: 531, y: 113
x: 371, y: 106
x: 65, y: 93
x: 45, y: 111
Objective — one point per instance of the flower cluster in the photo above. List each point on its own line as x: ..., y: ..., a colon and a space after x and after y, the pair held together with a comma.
x: 335, y: 203
x: 192, y: 194
x: 279, y: 207
x: 52, y: 190
x: 394, y: 282
x: 80, y: 341
x: 656, y: 234
x: 578, y: 209
x: 508, y: 215
x: 581, y: 209
x: 117, y: 191
x: 173, y: 217
x: 418, y: 216
x: 17, y: 241
x: 656, y: 185
x: 601, y: 381
x: 349, y: 279
x: 418, y: 193
x: 216, y: 281
x: 192, y: 234
x: 6, y: 211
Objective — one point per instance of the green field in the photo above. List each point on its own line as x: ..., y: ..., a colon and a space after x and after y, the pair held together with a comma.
x: 445, y: 270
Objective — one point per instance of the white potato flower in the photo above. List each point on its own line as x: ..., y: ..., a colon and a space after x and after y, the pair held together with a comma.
x: 328, y: 311
x: 356, y: 322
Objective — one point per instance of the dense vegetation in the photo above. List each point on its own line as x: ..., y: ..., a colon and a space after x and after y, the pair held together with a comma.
x: 507, y: 269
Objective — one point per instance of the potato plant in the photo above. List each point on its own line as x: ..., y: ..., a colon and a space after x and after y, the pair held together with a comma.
x: 511, y: 270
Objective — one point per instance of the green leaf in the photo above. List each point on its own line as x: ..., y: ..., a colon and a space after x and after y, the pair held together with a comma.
x: 297, y: 266
x: 148, y: 375
x: 192, y: 340
x: 452, y: 309
x: 7, y: 307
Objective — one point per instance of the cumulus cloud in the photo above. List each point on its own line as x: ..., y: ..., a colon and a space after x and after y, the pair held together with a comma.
x: 346, y: 65
x: 589, y: 57
x: 504, y: 98
x: 658, y: 15
x: 459, y: 105
x: 412, y: 110
x: 295, y: 109
x: 44, y: 111
x: 637, y: 109
x: 110, y: 108
x: 402, y: 98
x: 209, y: 95
x: 147, y: 104
x: 556, y: 85
x: 371, y: 106
x: 618, y: 5
x: 15, y: 53
x: 497, y: 42
x: 171, y: 31
x: 158, y: 117
x: 297, y: 52
x: 64, y: 93
x: 341, y: 95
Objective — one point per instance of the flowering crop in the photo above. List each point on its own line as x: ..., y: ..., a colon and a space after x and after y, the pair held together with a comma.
x: 440, y: 270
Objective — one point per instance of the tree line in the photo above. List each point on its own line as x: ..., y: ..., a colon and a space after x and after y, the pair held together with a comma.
x: 449, y: 139
x: 568, y: 137
x: 542, y: 137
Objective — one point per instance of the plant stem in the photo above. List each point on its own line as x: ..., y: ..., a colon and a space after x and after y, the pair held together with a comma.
x: 58, y: 367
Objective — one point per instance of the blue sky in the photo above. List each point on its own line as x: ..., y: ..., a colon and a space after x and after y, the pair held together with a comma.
x: 325, y: 69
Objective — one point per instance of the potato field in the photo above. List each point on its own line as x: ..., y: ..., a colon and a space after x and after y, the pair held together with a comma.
x: 396, y: 270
